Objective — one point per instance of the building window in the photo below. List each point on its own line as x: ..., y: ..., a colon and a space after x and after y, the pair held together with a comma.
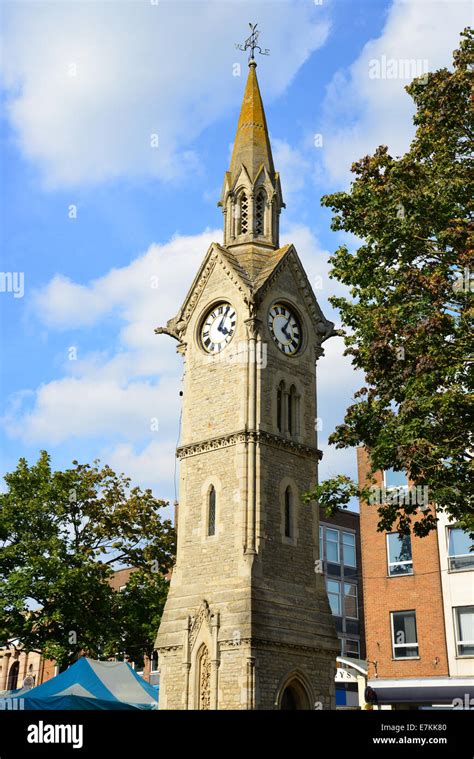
x: 288, y: 515
x: 280, y: 396
x: 332, y: 545
x: 350, y: 600
x: 348, y: 549
x: 211, y: 519
x: 293, y: 411
x: 399, y: 556
x: 260, y: 213
x: 464, y: 630
x: 12, y: 683
x: 393, y: 479
x: 460, y: 555
x: 290, y: 411
x: 334, y: 596
x: 243, y: 215
x: 351, y: 648
x: 404, y: 636
x: 154, y: 662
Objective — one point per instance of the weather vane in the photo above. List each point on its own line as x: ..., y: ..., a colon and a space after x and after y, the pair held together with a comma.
x: 251, y: 43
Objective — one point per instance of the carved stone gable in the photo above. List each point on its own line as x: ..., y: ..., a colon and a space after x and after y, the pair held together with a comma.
x: 203, y: 616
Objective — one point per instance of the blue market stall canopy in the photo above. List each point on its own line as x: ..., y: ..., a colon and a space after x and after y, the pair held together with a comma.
x: 90, y: 684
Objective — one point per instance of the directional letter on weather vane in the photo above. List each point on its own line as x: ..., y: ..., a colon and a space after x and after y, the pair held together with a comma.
x: 251, y: 43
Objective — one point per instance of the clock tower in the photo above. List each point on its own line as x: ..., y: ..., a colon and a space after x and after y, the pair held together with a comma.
x: 247, y: 623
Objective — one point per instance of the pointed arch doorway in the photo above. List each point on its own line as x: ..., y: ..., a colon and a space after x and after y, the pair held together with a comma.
x: 294, y: 697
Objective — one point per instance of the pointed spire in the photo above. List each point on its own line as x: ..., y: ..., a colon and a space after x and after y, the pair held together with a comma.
x: 252, y: 144
x: 251, y: 198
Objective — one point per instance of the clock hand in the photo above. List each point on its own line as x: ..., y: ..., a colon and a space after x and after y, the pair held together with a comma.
x: 283, y: 329
x: 223, y: 319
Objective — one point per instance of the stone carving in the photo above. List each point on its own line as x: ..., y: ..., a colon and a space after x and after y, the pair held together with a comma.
x: 175, y: 327
x: 204, y: 679
x: 245, y: 436
x: 203, y: 614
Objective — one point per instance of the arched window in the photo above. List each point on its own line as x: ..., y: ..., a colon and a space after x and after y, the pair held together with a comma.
x: 293, y: 411
x: 243, y: 215
x: 288, y: 514
x: 260, y: 213
x: 211, y: 518
x: 290, y: 410
x: 13, y: 676
x: 280, y: 392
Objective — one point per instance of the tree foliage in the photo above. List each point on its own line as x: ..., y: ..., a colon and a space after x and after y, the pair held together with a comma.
x: 408, y: 320
x: 63, y: 533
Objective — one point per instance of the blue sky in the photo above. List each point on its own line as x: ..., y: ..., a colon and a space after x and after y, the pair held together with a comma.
x: 84, y: 86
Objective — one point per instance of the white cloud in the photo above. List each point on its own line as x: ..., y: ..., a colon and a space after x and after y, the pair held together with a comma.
x: 292, y: 166
x: 113, y: 393
x: 151, y: 466
x: 144, y: 292
x: 361, y: 112
x: 90, y: 82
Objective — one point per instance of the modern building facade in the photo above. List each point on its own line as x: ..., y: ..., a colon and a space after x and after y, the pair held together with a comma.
x: 247, y: 623
x: 457, y: 582
x: 339, y: 540
x: 419, y: 600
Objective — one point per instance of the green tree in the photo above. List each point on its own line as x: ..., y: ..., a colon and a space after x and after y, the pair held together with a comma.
x: 62, y: 535
x: 139, y: 607
x: 408, y: 320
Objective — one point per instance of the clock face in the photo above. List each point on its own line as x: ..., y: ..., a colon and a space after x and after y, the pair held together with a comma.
x: 285, y: 328
x: 218, y: 327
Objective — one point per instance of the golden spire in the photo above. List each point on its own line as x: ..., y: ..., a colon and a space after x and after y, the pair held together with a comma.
x: 251, y: 198
x: 252, y: 144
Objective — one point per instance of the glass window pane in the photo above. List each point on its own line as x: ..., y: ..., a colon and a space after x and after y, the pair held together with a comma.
x: 334, y: 596
x: 404, y: 634
x: 350, y: 600
x: 466, y: 622
x: 459, y: 542
x: 399, y: 554
x: 395, y: 479
x: 403, y: 652
x: 351, y: 648
x: 348, y: 541
x: 332, y: 545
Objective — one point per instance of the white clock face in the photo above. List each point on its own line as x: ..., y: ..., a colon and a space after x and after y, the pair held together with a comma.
x: 285, y: 328
x: 218, y: 327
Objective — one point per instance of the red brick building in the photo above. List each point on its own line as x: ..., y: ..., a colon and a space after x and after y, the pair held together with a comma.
x: 403, y: 602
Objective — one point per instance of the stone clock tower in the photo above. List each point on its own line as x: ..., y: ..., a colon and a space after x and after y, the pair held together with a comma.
x: 247, y: 623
